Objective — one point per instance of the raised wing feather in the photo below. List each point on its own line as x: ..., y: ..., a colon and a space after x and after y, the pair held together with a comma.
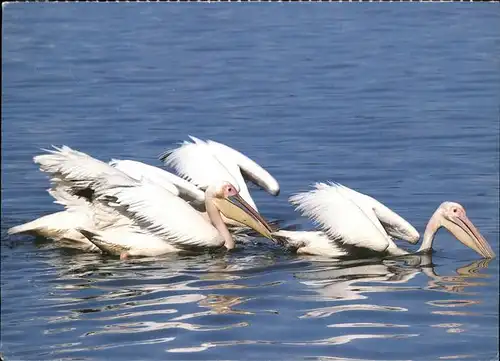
x: 64, y: 195
x: 250, y: 169
x: 160, y: 212
x: 197, y: 163
x: 72, y: 173
x: 203, y: 165
x: 73, y: 176
x: 395, y: 225
x: 173, y: 183
x: 74, y: 169
x: 98, y: 213
x: 343, y: 215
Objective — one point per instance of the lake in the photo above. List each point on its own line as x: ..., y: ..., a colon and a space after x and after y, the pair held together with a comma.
x: 399, y: 102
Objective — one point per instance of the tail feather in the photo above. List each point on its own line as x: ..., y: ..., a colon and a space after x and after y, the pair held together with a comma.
x: 309, y: 242
x: 88, y: 234
x: 22, y: 228
x: 52, y: 225
x: 38, y: 225
x: 106, y: 247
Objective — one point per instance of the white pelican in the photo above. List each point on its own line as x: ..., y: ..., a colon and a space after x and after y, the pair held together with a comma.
x: 349, y: 220
x: 207, y: 162
x: 120, y: 214
x: 140, y: 171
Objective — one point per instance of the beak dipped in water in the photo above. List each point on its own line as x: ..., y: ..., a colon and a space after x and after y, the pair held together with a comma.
x: 465, y: 231
x: 236, y: 208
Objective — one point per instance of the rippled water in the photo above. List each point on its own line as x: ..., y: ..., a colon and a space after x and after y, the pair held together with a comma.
x: 400, y: 104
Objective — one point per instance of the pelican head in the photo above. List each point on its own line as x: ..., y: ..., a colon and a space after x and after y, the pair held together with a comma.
x: 227, y: 200
x: 452, y: 216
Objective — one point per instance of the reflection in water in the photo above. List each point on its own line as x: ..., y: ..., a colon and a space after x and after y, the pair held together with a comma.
x: 309, y: 95
x: 456, y: 357
x: 340, y: 340
x: 167, y: 300
x: 452, y: 303
x: 455, y: 313
x: 456, y: 285
x: 366, y: 325
x: 346, y: 280
x: 341, y: 281
x: 451, y: 327
x: 218, y: 304
x: 354, y: 279
x: 328, y: 311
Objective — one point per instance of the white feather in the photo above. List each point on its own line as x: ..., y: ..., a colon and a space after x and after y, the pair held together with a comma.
x: 62, y: 195
x: 61, y: 227
x: 395, y: 225
x: 197, y: 163
x: 144, y: 217
x: 157, y: 211
x: 73, y: 167
x: 131, y: 240
x: 72, y: 170
x: 169, y: 181
x: 344, y: 215
x: 208, y: 162
x: 254, y: 172
x: 312, y: 243
x: 389, y: 222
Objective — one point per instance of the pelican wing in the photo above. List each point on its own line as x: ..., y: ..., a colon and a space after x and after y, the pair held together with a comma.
x: 250, y: 169
x: 73, y: 175
x: 169, y: 181
x: 343, y: 215
x: 157, y: 211
x: 64, y: 195
x: 100, y: 214
x: 198, y: 163
x: 395, y: 225
x: 205, y: 163
x: 74, y: 171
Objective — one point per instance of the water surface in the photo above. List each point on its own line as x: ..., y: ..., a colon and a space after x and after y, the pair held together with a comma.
x: 400, y: 104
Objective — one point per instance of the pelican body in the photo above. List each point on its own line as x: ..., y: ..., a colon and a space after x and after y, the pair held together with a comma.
x: 206, y: 162
x: 350, y: 221
x: 108, y: 210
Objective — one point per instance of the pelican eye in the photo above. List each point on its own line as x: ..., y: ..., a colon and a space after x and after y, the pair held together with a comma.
x: 454, y: 210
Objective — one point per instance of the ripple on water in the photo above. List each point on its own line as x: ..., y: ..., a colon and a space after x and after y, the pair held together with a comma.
x: 410, y: 116
x: 329, y: 311
x: 103, y: 302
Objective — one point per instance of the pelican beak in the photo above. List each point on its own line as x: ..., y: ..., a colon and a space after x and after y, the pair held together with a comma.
x: 237, y: 209
x: 465, y: 231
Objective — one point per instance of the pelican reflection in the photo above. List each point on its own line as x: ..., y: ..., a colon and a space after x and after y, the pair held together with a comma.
x: 352, y: 280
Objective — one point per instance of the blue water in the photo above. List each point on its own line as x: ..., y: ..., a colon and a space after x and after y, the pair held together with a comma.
x: 400, y: 102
